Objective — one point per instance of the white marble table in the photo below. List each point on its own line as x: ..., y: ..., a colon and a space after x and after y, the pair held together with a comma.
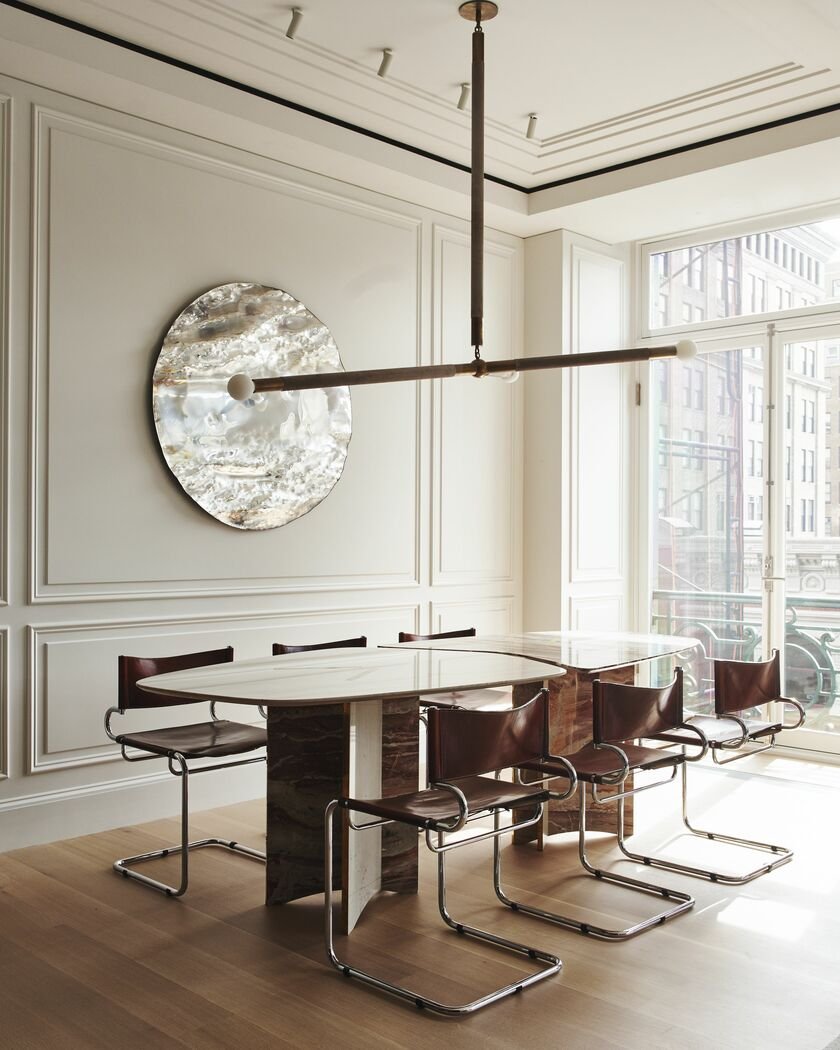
x: 585, y: 656
x: 343, y: 721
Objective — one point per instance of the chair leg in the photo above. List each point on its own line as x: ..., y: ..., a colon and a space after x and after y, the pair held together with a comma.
x: 783, y: 855
x: 552, y: 964
x: 684, y: 901
x: 184, y: 847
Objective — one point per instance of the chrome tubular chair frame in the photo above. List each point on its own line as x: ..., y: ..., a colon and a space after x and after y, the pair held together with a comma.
x: 782, y: 854
x: 473, y: 742
x: 684, y: 901
x: 551, y: 964
x: 178, y: 767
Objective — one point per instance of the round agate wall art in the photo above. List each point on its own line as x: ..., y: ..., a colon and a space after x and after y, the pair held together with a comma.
x: 263, y: 462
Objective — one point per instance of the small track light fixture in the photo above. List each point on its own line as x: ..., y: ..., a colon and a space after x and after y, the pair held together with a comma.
x: 387, y: 55
x: 297, y: 15
x: 464, y: 97
x: 532, y: 126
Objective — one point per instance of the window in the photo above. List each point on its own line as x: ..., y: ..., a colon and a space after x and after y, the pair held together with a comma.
x: 806, y: 515
x: 758, y: 290
x: 740, y: 270
x: 808, y: 464
x: 722, y: 400
x: 662, y: 500
x: 808, y: 416
x: 695, y: 509
x: 828, y: 492
x: 788, y: 458
x: 663, y: 445
x: 756, y: 403
x: 700, y: 441
x: 664, y: 383
x: 699, y: 388
x: 788, y: 411
x: 788, y: 517
x: 686, y: 313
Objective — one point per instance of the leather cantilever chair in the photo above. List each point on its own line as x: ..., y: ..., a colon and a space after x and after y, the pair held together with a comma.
x: 458, y: 701
x: 621, y: 713
x: 215, y: 739
x: 279, y: 649
x: 462, y: 747
x: 739, y: 687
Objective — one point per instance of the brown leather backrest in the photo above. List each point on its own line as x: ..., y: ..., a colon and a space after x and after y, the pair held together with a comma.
x: 469, y: 743
x: 279, y: 649
x: 739, y: 684
x: 467, y: 632
x: 625, y: 712
x: 133, y: 668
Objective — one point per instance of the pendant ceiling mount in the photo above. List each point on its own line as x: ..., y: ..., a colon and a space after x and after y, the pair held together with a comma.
x: 478, y: 10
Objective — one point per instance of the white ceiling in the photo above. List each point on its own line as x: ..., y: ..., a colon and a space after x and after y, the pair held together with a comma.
x: 610, y: 80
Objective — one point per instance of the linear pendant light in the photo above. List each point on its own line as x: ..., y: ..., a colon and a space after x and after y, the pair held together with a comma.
x: 241, y: 386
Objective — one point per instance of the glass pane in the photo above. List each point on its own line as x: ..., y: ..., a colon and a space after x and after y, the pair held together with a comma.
x: 812, y: 529
x: 766, y: 272
x: 708, y: 487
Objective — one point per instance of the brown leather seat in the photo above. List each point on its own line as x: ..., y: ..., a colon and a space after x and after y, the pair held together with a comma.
x: 593, y: 764
x: 427, y: 809
x: 721, y: 732
x: 201, y: 740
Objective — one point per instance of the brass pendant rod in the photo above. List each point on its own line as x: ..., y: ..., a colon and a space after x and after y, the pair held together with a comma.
x: 477, y: 190
x: 478, y: 368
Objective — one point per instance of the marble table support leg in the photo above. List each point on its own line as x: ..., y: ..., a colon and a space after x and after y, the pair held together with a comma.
x: 570, y: 727
x: 315, y: 755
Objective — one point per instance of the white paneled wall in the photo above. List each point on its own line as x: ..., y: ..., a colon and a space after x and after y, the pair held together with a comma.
x: 109, y: 224
x: 578, y: 450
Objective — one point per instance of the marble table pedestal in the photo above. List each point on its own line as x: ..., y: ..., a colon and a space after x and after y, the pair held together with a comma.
x: 570, y: 728
x: 315, y: 755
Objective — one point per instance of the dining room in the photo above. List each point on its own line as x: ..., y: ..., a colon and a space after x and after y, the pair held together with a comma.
x: 423, y: 419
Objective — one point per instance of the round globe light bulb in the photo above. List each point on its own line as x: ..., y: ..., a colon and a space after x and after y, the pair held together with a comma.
x: 240, y: 387
x: 686, y: 348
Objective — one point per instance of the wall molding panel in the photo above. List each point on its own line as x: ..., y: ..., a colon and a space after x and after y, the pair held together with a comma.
x: 5, y: 747
x: 487, y: 615
x: 46, y: 584
x: 489, y: 456
x: 126, y: 221
x: 5, y: 334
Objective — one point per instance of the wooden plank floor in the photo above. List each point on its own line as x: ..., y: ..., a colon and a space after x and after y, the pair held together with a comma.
x: 91, y: 960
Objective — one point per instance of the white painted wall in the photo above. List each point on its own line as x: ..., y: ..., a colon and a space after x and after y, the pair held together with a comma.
x: 110, y: 223
x: 578, y: 439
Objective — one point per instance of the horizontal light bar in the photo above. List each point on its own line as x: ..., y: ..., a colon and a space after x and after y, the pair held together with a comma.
x: 241, y: 386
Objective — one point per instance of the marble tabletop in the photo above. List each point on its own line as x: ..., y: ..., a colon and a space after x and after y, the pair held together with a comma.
x: 333, y: 676
x: 586, y: 651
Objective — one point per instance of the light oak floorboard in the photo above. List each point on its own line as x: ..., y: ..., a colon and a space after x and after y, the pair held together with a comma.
x: 90, y: 960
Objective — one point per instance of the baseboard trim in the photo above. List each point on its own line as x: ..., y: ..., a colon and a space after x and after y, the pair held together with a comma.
x: 51, y: 816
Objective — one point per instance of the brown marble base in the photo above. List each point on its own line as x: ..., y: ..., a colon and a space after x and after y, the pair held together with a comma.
x: 308, y: 766
x: 570, y: 728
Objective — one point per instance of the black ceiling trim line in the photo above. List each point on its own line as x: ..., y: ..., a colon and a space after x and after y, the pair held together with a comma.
x: 727, y: 136
x: 238, y: 85
x: 267, y: 96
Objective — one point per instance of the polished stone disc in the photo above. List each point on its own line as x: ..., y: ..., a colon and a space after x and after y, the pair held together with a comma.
x: 260, y: 463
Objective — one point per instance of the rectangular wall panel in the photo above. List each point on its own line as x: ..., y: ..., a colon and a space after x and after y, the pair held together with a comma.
x: 5, y: 335
x: 128, y: 231
x: 477, y: 426
x: 74, y: 669
x: 486, y: 615
x: 5, y: 751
